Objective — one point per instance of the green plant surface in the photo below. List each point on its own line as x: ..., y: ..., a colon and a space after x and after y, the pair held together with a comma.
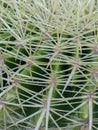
x: 48, y: 65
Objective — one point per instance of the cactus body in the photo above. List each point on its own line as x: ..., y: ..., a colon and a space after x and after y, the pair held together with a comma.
x: 48, y: 65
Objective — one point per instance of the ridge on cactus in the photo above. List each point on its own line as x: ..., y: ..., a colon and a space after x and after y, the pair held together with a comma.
x: 48, y: 65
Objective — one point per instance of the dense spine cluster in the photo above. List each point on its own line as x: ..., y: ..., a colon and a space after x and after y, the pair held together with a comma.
x: 48, y: 64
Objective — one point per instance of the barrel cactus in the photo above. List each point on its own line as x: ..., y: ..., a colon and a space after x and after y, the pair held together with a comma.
x: 48, y: 65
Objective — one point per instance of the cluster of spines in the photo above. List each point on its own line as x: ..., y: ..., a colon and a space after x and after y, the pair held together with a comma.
x: 48, y: 65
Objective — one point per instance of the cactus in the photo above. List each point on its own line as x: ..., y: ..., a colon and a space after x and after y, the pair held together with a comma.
x: 48, y: 64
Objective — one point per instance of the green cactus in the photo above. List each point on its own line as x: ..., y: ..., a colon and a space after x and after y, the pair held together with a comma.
x: 48, y: 64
